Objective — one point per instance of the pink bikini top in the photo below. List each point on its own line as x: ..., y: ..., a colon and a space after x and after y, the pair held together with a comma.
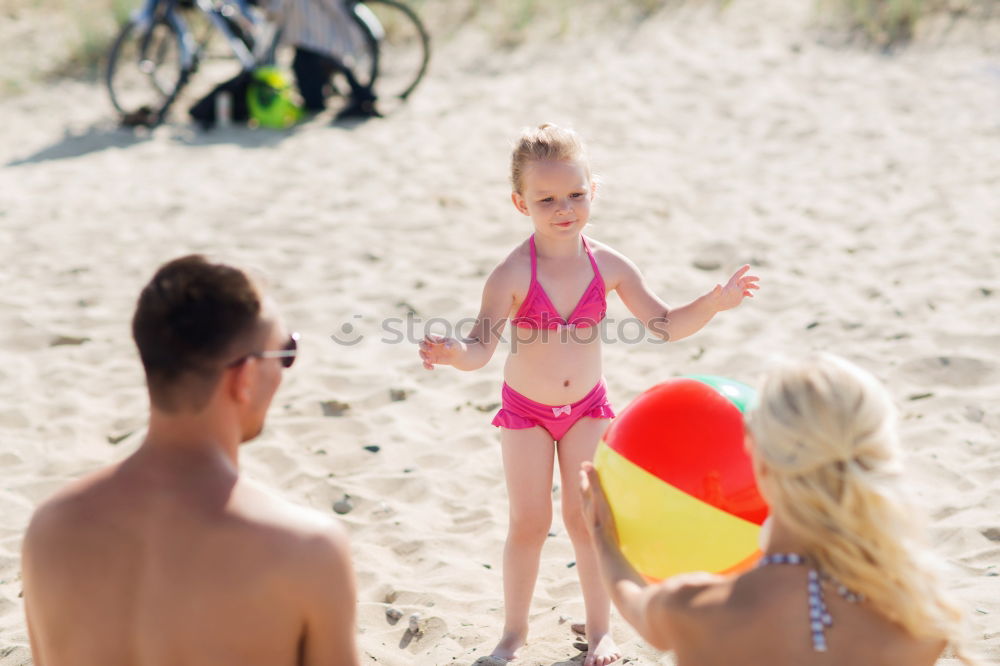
x: 537, y: 310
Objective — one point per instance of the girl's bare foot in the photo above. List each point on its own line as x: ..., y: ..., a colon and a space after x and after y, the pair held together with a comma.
x: 490, y: 661
x: 602, y: 652
x: 509, y: 644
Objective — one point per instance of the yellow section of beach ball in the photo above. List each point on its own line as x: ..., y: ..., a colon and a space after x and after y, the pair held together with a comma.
x: 663, y: 531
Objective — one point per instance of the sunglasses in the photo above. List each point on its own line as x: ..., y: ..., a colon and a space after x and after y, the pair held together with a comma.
x: 287, y: 353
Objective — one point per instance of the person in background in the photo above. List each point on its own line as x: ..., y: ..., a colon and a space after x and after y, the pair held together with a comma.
x: 327, y: 40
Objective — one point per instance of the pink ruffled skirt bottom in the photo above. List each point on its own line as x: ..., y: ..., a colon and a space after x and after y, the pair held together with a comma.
x: 518, y: 412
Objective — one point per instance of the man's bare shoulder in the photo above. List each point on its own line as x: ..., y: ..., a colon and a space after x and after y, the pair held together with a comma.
x: 313, y: 548
x: 63, y: 509
x: 265, y: 509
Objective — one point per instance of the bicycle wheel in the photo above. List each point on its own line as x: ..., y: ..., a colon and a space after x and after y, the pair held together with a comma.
x: 399, y: 48
x: 144, y: 69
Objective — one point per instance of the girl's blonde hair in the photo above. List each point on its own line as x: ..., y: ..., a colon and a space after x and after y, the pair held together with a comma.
x: 546, y: 142
x: 828, y: 460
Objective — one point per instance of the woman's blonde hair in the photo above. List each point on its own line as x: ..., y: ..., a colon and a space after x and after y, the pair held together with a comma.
x: 546, y: 142
x: 828, y: 460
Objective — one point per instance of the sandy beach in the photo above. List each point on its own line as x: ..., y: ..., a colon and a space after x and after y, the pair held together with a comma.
x: 863, y: 187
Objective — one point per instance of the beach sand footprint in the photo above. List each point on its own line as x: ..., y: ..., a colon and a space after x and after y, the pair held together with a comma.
x: 716, y: 256
x: 471, y: 521
x: 421, y: 630
x: 955, y: 371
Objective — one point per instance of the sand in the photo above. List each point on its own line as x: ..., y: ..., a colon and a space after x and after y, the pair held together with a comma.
x: 863, y: 187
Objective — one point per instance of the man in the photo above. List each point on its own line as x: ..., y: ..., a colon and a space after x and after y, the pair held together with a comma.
x: 170, y: 557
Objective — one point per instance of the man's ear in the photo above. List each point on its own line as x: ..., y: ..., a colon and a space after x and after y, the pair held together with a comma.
x: 238, y: 379
x: 519, y: 203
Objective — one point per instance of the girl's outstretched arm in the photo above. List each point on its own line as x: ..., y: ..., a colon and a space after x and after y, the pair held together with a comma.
x: 475, y: 350
x: 680, y: 322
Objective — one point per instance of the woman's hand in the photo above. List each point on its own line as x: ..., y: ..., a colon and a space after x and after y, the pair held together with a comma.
x: 596, y: 510
x: 739, y: 286
x: 438, y: 350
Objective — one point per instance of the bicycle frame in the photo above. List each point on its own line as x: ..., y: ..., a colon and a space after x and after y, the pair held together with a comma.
x: 216, y: 13
x: 144, y: 19
x: 221, y: 14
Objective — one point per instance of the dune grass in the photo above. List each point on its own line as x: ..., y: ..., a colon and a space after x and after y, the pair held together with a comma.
x: 886, y: 23
x: 890, y: 23
x: 97, y: 25
x: 57, y: 38
x: 512, y: 22
x: 509, y: 22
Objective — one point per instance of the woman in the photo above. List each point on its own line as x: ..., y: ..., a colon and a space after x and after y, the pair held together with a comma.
x: 845, y: 577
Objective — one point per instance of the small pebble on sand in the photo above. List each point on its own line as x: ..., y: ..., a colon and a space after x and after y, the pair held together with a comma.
x: 333, y: 407
x: 343, y: 505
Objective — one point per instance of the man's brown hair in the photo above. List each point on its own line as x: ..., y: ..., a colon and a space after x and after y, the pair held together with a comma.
x: 191, y: 320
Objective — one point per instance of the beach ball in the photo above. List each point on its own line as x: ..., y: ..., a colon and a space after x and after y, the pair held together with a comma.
x: 679, y: 481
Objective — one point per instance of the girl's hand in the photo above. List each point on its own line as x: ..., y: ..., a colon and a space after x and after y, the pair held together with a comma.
x: 438, y: 350
x: 596, y: 510
x: 740, y: 285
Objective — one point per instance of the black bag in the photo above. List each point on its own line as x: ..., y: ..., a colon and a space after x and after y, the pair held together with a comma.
x: 203, y: 111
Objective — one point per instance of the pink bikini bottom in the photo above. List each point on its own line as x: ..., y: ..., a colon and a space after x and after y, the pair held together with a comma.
x: 518, y: 412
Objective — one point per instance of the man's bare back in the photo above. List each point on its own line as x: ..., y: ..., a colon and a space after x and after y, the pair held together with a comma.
x: 167, y: 549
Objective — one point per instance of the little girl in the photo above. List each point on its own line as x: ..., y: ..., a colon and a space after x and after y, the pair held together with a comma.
x: 554, y: 399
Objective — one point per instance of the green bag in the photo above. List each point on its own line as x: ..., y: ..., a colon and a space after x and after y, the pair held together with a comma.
x: 270, y: 99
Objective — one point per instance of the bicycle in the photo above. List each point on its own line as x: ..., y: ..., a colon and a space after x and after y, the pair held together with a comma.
x: 157, y: 51
x: 398, y: 44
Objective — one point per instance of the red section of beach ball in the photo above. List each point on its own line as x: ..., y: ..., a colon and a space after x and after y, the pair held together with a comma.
x: 688, y: 434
